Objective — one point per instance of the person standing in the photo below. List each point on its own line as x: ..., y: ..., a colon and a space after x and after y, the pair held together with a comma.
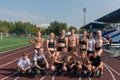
x: 38, y: 42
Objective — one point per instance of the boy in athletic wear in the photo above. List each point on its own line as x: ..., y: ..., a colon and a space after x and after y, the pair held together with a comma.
x: 24, y: 64
x: 73, y: 40
x: 86, y: 65
x: 59, y: 61
x: 40, y: 63
x: 38, y: 42
x: 97, y: 64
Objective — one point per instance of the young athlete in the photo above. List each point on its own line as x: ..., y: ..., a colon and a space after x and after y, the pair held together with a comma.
x: 86, y: 65
x: 38, y: 42
x: 83, y: 42
x: 99, y: 42
x: 51, y: 45
x: 97, y: 64
x: 72, y: 40
x: 24, y: 64
x: 40, y: 64
x: 91, y: 44
x: 62, y: 41
x: 59, y: 61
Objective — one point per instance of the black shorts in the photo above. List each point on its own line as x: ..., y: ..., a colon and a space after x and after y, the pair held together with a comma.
x: 98, y: 48
x: 71, y: 48
x: 38, y: 49
x: 52, y: 52
x: 84, y: 67
x: 89, y: 52
x: 58, y: 66
x: 60, y: 48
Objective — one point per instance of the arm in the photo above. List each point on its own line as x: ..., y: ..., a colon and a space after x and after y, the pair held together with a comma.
x: 87, y: 44
x: 107, y: 42
x: 66, y: 42
x: 32, y: 41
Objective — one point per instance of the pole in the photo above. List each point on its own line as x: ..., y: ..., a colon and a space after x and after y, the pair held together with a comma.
x: 84, y: 15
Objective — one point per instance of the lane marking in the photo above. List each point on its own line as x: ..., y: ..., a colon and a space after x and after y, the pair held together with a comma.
x: 14, y: 49
x: 53, y: 77
x: 89, y: 78
x: 1, y: 66
x: 9, y: 76
x: 80, y: 78
x: 43, y: 78
x: 110, y: 72
x: 112, y: 69
x: 12, y: 45
x: 14, y: 53
x: 17, y: 78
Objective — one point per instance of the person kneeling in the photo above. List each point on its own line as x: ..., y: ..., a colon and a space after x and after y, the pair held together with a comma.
x: 97, y: 64
x: 40, y: 63
x: 23, y: 64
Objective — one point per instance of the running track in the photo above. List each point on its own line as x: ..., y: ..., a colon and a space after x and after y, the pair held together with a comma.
x: 8, y: 62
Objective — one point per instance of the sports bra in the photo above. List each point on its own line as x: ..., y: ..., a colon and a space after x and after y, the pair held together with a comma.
x: 51, y: 44
x: 83, y: 42
x: 99, y: 41
x: 61, y: 40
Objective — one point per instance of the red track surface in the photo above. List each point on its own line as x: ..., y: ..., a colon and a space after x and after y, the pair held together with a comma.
x: 9, y: 60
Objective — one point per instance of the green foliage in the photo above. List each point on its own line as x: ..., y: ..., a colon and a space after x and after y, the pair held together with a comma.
x: 56, y: 27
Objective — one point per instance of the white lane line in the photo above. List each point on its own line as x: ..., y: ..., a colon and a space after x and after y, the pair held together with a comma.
x: 9, y: 76
x: 110, y: 72
x: 43, y: 78
x: 89, y: 78
x: 53, y: 77
x: 112, y: 69
x: 80, y: 78
x: 16, y: 78
x: 14, y: 53
x: 13, y: 45
x: 14, y: 49
x: 1, y: 66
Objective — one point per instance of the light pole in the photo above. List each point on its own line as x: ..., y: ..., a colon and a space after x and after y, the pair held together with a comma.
x: 84, y: 11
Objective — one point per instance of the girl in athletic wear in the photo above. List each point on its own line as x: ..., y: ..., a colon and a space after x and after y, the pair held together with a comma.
x: 72, y: 40
x: 99, y: 42
x: 83, y: 42
x: 38, y: 42
x: 62, y: 41
x: 24, y: 64
x: 51, y: 45
x: 91, y: 44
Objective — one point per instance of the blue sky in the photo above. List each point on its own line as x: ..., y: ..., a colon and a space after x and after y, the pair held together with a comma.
x: 44, y: 11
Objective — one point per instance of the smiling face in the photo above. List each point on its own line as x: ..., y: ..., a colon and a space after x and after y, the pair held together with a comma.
x: 39, y: 34
x: 52, y: 35
x: 85, y: 33
x: 99, y: 33
x: 63, y: 32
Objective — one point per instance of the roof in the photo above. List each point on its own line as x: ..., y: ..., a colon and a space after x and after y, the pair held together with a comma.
x: 113, y: 17
x: 93, y: 25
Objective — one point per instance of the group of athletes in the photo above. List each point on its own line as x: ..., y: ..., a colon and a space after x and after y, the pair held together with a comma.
x: 67, y: 55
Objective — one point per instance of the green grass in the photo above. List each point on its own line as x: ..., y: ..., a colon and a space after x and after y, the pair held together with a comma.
x: 13, y: 43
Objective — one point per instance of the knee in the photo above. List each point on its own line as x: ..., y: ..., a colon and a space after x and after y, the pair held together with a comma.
x: 79, y: 67
x: 64, y: 68
x: 52, y: 68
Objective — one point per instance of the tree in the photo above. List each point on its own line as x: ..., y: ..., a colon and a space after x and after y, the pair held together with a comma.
x: 55, y: 27
x: 76, y: 30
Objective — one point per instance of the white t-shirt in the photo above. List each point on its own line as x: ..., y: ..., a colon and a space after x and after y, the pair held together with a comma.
x: 40, y: 56
x: 24, y: 63
x: 91, y: 43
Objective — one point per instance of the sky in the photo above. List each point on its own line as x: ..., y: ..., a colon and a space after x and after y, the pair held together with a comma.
x: 45, y: 11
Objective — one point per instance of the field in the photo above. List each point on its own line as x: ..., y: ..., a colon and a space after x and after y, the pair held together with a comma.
x: 13, y: 43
